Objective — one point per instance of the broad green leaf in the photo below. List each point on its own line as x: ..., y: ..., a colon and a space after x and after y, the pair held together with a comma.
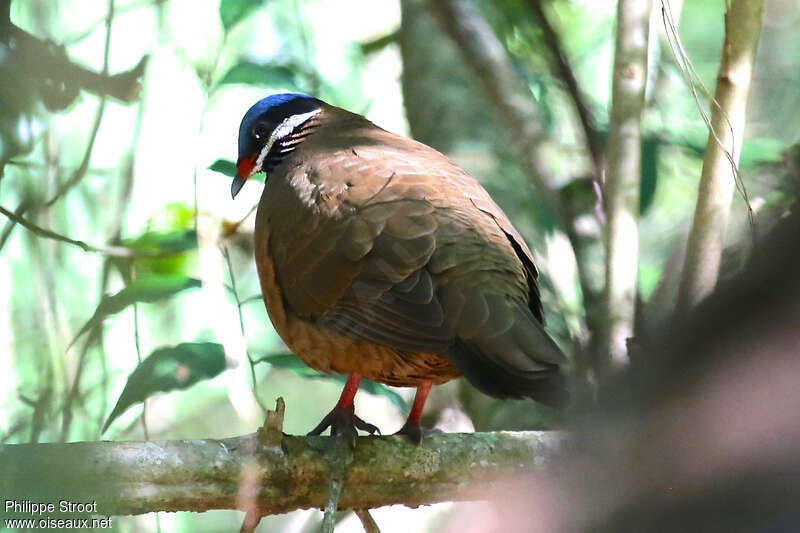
x: 169, y: 368
x: 291, y: 362
x: 145, y: 289
x: 228, y: 168
x: 261, y: 74
x: 232, y: 12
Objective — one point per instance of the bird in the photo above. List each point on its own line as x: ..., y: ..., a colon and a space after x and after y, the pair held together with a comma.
x: 380, y: 258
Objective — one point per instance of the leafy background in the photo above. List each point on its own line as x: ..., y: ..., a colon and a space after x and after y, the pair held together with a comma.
x: 171, y: 330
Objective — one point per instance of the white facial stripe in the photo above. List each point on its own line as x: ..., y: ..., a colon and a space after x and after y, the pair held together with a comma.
x: 280, y: 132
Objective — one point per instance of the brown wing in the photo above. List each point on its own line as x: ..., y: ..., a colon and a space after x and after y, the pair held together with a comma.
x: 391, y: 242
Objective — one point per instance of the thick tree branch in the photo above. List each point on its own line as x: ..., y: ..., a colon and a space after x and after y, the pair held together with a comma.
x: 48, y: 62
x: 485, y: 55
x: 718, y: 180
x: 198, y: 475
x: 506, y: 93
x: 623, y: 176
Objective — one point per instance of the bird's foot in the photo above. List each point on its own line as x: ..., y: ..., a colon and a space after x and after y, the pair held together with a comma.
x: 415, y: 432
x: 344, y: 423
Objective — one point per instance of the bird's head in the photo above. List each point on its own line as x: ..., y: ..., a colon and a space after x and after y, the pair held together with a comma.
x: 265, y: 130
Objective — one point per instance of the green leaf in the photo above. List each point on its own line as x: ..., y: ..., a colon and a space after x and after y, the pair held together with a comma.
x: 224, y: 166
x: 164, y: 248
x: 228, y: 168
x: 145, y: 289
x: 291, y: 362
x: 231, y: 12
x: 169, y: 368
x: 379, y: 389
x: 261, y: 74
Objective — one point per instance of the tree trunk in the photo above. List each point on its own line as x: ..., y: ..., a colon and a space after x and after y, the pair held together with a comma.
x: 623, y: 175
x: 718, y: 180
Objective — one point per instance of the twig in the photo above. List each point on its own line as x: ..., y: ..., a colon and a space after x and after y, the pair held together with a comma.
x: 114, y: 251
x: 81, y: 35
x: 209, y: 89
x: 271, y: 433
x: 486, y: 56
x: 370, y: 526
x: 567, y: 75
x: 231, y: 228
x: 139, y: 361
x: 339, y: 456
x: 250, y: 361
x: 251, y: 520
x: 12, y: 431
x: 74, y: 389
x: 97, y: 331
x: 80, y: 172
x: 23, y: 206
x: 42, y: 404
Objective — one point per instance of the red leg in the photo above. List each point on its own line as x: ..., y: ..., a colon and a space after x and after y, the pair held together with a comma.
x: 419, y: 402
x: 349, y: 391
x: 412, y: 428
x: 342, y: 419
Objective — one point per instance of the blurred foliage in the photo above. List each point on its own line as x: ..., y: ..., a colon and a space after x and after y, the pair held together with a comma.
x: 290, y: 362
x: 166, y: 369
x: 233, y: 11
x: 145, y: 289
x: 150, y: 181
x: 266, y: 75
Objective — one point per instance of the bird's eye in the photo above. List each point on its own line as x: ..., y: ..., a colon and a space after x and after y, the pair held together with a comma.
x: 260, y: 131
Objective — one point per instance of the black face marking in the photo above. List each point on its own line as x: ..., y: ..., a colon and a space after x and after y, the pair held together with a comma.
x: 260, y: 131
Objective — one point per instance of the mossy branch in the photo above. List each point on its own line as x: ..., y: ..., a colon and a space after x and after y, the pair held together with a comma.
x: 242, y: 473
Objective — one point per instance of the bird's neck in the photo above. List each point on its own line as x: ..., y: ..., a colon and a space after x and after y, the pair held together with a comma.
x: 331, y: 129
x: 288, y: 144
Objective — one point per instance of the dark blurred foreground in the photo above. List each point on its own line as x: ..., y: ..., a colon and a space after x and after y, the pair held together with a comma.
x: 701, y: 434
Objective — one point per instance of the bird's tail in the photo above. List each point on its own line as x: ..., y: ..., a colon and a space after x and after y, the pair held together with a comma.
x: 522, y: 361
x: 546, y: 386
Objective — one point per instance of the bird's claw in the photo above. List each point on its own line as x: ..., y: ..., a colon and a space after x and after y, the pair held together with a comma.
x: 415, y: 432
x: 345, y: 424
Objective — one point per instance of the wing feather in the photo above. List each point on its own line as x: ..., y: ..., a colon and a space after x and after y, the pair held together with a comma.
x: 411, y: 252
